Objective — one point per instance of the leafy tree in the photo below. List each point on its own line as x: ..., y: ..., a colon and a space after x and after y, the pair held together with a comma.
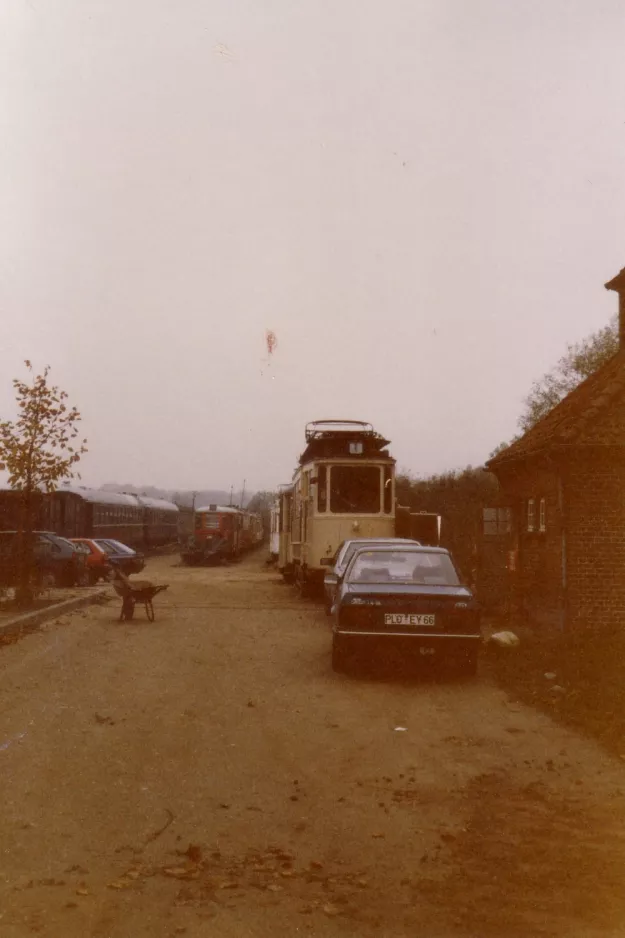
x: 581, y: 360
x: 38, y: 450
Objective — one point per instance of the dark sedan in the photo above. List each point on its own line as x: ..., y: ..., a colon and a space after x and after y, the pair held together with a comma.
x: 121, y: 556
x: 410, y: 597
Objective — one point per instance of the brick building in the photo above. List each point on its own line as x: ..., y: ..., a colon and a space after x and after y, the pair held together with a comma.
x: 564, y: 481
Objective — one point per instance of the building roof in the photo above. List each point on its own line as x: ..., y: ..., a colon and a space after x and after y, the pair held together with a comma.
x: 568, y: 421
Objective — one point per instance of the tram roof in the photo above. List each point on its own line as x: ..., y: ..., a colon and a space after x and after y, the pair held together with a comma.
x: 334, y: 438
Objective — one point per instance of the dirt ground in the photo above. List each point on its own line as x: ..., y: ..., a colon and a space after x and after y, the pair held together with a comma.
x: 208, y: 775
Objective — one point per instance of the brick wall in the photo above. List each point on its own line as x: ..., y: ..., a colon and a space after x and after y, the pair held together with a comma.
x: 595, y: 490
x: 537, y: 582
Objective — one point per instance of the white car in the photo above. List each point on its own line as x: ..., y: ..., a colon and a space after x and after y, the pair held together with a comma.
x: 344, y: 554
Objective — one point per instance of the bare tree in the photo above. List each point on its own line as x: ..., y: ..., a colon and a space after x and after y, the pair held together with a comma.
x: 581, y: 360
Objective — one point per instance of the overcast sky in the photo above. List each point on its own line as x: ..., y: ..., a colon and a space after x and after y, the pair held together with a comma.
x: 421, y: 198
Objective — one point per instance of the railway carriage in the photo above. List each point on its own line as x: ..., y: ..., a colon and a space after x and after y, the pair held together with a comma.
x: 77, y: 511
x: 274, y: 531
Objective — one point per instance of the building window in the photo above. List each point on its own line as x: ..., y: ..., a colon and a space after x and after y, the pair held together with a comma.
x: 497, y: 522
x: 531, y: 514
x: 542, y: 515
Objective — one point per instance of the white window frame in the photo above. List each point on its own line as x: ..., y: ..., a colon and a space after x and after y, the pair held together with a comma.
x: 542, y: 515
x: 531, y: 515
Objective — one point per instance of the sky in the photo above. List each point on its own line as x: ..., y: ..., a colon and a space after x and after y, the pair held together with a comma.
x: 422, y: 199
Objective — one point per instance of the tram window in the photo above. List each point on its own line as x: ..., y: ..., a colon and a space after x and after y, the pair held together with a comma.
x: 322, y: 488
x: 388, y: 490
x: 355, y: 489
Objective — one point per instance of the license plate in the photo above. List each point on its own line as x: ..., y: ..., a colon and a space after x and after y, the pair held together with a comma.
x: 401, y: 618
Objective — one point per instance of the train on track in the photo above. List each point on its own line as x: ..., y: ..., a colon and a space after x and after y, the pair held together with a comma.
x: 343, y: 487
x: 77, y: 511
x: 221, y: 534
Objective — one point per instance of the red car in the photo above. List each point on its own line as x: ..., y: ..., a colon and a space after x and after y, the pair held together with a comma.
x: 98, y: 566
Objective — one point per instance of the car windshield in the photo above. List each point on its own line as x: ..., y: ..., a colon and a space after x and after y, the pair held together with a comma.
x: 117, y: 547
x: 106, y: 546
x: 417, y: 567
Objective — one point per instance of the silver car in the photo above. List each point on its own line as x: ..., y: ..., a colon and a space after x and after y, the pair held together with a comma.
x: 334, y: 577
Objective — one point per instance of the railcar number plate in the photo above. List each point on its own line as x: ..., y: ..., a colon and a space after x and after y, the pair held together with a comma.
x: 401, y: 618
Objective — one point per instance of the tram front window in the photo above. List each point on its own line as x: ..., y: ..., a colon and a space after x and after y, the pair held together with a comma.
x: 355, y: 489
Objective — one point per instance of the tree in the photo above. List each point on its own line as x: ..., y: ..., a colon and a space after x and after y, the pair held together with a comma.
x: 261, y: 504
x: 459, y: 496
x: 580, y: 361
x: 38, y: 450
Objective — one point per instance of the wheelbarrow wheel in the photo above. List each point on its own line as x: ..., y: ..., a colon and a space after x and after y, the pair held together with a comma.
x: 149, y: 610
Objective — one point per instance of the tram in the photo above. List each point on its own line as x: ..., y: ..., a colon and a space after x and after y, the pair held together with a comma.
x: 344, y: 486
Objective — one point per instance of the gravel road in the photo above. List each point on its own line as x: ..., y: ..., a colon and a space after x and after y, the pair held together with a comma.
x: 208, y: 775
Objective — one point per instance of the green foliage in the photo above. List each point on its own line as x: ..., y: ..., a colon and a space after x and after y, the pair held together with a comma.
x: 38, y: 449
x: 580, y: 361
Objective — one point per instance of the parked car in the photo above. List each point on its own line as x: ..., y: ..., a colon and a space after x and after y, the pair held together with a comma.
x: 410, y: 597
x: 69, y: 562
x: 98, y: 563
x: 54, y: 557
x: 122, y: 556
x: 344, y: 554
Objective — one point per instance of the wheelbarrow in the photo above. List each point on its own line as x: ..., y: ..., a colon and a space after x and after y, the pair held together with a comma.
x: 133, y: 592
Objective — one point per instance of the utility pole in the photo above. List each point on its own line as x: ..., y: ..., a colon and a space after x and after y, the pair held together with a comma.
x: 243, y: 496
x: 231, y: 488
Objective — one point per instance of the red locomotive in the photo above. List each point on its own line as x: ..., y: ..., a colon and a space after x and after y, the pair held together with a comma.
x: 221, y: 533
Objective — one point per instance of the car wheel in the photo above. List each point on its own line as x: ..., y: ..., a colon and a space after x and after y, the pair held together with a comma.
x: 338, y: 655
